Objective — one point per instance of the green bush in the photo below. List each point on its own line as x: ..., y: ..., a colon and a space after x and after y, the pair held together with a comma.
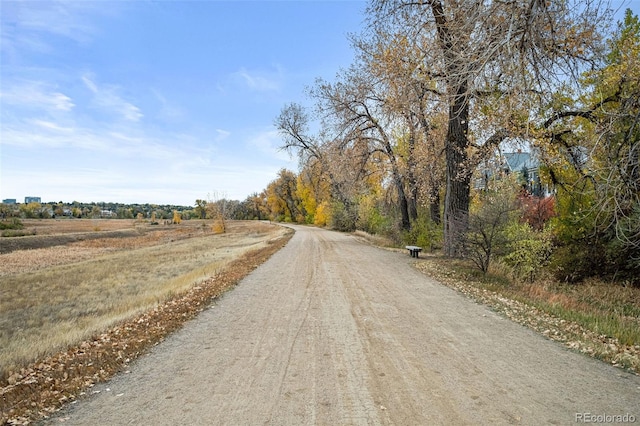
x: 528, y: 250
x: 424, y: 233
x: 14, y: 223
x: 590, y: 245
x: 371, y: 220
x: 595, y: 255
x: 491, y: 212
x: 17, y: 232
x: 341, y: 218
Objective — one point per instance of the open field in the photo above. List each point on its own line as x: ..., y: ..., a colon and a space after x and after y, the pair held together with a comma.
x: 75, y: 278
x: 74, y: 226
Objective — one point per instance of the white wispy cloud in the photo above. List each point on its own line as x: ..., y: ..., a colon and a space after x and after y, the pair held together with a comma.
x: 39, y: 134
x: 221, y: 135
x: 145, y: 147
x: 60, y: 101
x: 106, y: 98
x: 35, y: 95
x: 102, y: 141
x: 131, y: 112
x: 168, y: 110
x: 49, y: 125
x: 28, y: 25
x: 68, y: 19
x: 268, y: 142
x: 262, y: 81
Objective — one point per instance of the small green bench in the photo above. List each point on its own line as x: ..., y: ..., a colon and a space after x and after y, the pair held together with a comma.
x: 414, y: 251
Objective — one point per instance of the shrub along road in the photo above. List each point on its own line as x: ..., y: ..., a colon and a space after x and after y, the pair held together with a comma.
x: 333, y: 331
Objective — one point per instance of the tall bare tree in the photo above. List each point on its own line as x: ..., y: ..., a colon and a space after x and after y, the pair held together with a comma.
x: 343, y: 168
x: 355, y: 108
x: 396, y: 64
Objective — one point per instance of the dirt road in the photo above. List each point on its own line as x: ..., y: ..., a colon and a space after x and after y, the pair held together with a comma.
x: 331, y: 331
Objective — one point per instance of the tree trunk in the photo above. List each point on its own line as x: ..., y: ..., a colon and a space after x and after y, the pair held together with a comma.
x: 257, y: 207
x: 434, y: 206
x: 411, y: 176
x: 404, y: 205
x: 398, y: 180
x: 456, y: 203
x: 413, y: 204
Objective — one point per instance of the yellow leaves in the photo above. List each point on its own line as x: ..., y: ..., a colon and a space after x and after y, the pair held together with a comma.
x: 622, y: 71
x: 283, y: 198
x: 177, y: 217
x: 322, y: 214
x: 306, y: 195
x: 218, y: 226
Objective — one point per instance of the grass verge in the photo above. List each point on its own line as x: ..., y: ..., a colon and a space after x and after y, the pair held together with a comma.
x: 44, y: 386
x: 596, y: 318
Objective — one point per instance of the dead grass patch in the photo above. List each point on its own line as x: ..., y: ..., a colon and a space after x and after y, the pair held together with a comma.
x: 31, y: 260
x: 68, y: 225
x: 377, y: 240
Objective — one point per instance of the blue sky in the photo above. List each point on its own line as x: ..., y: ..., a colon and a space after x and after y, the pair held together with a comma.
x: 157, y: 102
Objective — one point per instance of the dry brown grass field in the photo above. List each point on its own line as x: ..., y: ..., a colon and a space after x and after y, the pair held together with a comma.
x: 75, y: 278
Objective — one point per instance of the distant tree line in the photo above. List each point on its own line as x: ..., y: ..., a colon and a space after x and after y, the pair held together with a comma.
x: 252, y: 208
x: 93, y: 210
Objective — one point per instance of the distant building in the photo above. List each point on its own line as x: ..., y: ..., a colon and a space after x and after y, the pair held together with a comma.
x: 28, y: 200
x: 9, y: 201
x: 525, y: 164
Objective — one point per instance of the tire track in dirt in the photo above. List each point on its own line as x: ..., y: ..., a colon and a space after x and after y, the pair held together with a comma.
x: 331, y: 331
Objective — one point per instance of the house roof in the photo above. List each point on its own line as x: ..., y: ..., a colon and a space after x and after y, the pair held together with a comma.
x: 516, y: 161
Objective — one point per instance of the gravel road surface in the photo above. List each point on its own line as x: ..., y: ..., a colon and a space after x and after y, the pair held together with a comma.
x: 331, y: 331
